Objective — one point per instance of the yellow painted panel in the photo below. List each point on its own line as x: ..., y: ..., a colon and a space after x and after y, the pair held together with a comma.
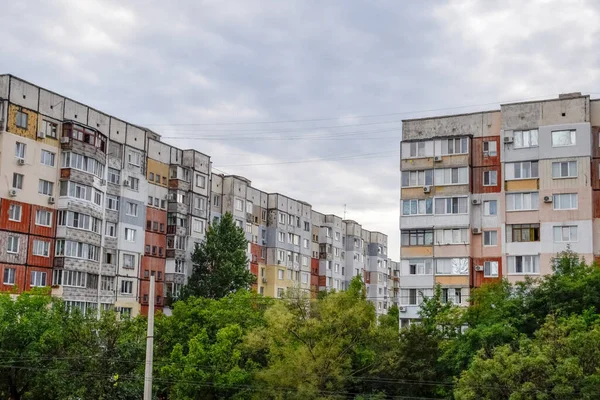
x: 417, y: 251
x: 521, y: 185
x: 156, y: 167
x: 417, y: 163
x: 451, y: 190
x: 31, y: 131
x: 453, y: 161
x: 414, y: 193
x: 50, y: 141
x: 460, y: 280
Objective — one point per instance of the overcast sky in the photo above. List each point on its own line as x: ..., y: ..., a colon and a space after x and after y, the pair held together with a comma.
x: 176, y: 66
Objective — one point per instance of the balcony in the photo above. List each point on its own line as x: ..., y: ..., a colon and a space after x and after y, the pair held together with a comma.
x: 249, y: 217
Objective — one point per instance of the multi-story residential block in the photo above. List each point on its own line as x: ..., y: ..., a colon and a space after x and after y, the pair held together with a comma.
x: 94, y: 206
x: 495, y: 194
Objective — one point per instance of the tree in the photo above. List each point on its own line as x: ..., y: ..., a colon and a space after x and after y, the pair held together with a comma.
x: 315, y: 347
x: 220, y: 265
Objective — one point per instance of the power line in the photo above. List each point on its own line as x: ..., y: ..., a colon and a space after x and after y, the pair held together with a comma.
x: 334, y: 158
x: 359, y: 116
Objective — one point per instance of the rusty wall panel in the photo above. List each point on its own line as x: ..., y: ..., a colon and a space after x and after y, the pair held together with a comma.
x: 28, y: 271
x: 595, y: 141
x: 19, y: 285
x: 40, y: 261
x: 595, y: 174
x: 153, y: 264
x: 254, y: 269
x: 23, y: 225
x: 153, y: 214
x: 39, y: 230
x: 477, y: 157
x: 477, y: 176
x: 477, y: 278
x: 257, y: 253
x: 596, y: 203
x: 155, y: 239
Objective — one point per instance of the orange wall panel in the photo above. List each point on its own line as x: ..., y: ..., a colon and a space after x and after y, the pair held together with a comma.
x: 477, y: 278
x: 20, y: 271
x: 40, y: 261
x: 39, y: 230
x: 477, y: 177
x: 48, y: 272
x: 478, y: 159
x: 23, y: 225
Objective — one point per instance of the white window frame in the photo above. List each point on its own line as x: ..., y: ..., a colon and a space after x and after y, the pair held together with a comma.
x: 9, y: 276
x: 239, y: 205
x: 571, y: 169
x: 200, y: 181
x: 487, y: 207
x: 423, y: 267
x: 130, y: 234
x: 572, y: 134
x: 446, y: 176
x: 127, y: 287
x: 490, y: 269
x: 417, y: 178
x: 533, y: 200
x: 17, y: 181
x: 22, y: 119
x: 10, y: 244
x: 445, y: 199
x: 565, y: 233
x: 134, y: 158
x: 522, y: 167
x: 530, y: 134
x: 559, y: 198
x: 490, y: 238
x: 38, y: 279
x: 492, y: 178
x: 114, y: 200
x: 129, y: 261
x: 132, y: 209
x: 20, y: 150
x: 45, y: 187
x: 533, y: 262
x: 419, y: 205
x: 12, y: 210
x: 47, y: 158
x: 490, y: 147
x: 41, y: 248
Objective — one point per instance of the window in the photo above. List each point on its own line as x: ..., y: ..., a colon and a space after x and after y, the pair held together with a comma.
x: 239, y: 224
x: 489, y: 148
x: 17, y: 182
x: 337, y: 236
x: 450, y: 295
x: 151, y: 176
x: 14, y: 212
x: 134, y: 158
x: 420, y: 267
x: 451, y: 205
x: 417, y: 149
x: 9, y: 276
x: 112, y: 203
x: 280, y: 274
x: 417, y: 238
x: 45, y: 187
x: 199, y: 203
x: 114, y: 176
x: 216, y: 201
x: 490, y: 238
x: 13, y: 244
x: 200, y: 181
x: 305, y: 243
x: 43, y: 218
x: 490, y: 207
x: 567, y: 201
x: 417, y: 207
x: 522, y: 170
x: 523, y: 264
x: 413, y: 297
x: 239, y: 205
x: 452, y: 176
x: 134, y: 183
x: 107, y: 283
x: 565, y: 233
x: 41, y: 248
x: 490, y: 269
x: 83, y: 163
x: 524, y: 139
x: 157, y: 179
x: 130, y: 235
x: 290, y: 220
x: 128, y: 261
x: 179, y: 266
x: 132, y: 209
x: 111, y: 229
x: 328, y: 232
x: 452, y: 236
x: 20, y: 150
x: 126, y: 287
x: 564, y: 169
x: 47, y: 158
x: 281, y: 218
x: 522, y: 201
x: 564, y: 138
x: 21, y: 121
x: 452, y: 266
x: 68, y: 248
x: 50, y: 128
x: 490, y: 178
x: 454, y: 146
x: 38, y: 278
x: 417, y: 178
x: 198, y: 225
x: 523, y: 233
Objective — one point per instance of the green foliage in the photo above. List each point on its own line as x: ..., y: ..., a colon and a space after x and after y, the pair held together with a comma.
x: 220, y: 265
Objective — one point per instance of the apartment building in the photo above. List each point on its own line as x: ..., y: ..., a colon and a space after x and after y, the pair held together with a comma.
x: 94, y: 206
x: 496, y: 194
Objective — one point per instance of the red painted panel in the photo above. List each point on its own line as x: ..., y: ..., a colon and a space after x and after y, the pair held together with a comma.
x: 477, y: 278
x: 257, y: 253
x: 478, y: 158
x: 477, y: 179
x: 154, y: 214
x: 48, y: 272
x: 254, y: 269
x: 155, y: 240
x: 595, y: 141
x: 159, y: 301
x: 40, y: 261
x: 153, y: 264
x: 23, y: 225
x: 34, y: 229
x: 20, y: 271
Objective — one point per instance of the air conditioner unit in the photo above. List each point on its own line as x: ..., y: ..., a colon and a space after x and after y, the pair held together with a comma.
x: 102, y: 182
x: 12, y: 192
x: 264, y: 280
x: 41, y: 134
x: 402, y: 308
x: 426, y: 189
x: 508, y: 139
x: 51, y: 200
x: 21, y: 161
x: 547, y: 199
x: 126, y: 183
x: 437, y: 158
x: 475, y: 201
x: 479, y: 268
x: 65, y: 139
x: 476, y: 231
